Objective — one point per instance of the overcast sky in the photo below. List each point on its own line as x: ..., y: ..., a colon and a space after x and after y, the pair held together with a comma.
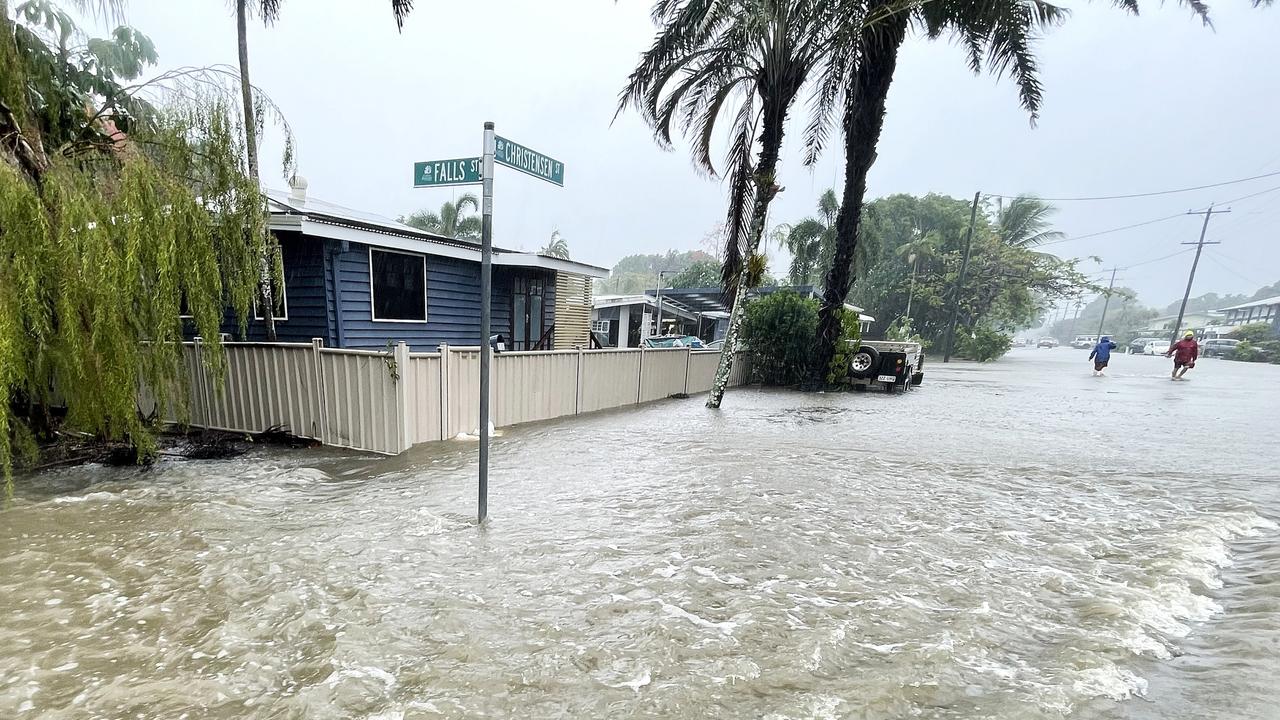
x: 1132, y: 105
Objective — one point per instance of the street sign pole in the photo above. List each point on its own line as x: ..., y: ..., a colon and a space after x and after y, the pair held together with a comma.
x: 486, y: 274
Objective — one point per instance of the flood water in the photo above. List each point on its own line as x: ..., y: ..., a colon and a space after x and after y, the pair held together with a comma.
x: 1013, y: 540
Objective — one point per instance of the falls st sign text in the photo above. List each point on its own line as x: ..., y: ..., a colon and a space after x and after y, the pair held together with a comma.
x: 461, y: 171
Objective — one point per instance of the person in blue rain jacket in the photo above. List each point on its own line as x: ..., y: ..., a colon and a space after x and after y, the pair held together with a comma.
x: 1101, y: 354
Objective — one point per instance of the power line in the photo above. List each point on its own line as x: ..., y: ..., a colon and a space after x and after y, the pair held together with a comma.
x: 1252, y: 195
x: 1224, y: 266
x: 1156, y: 260
x: 1105, y: 232
x: 1150, y: 222
x: 1145, y: 194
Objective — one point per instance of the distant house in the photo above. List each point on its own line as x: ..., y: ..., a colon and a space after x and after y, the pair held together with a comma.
x: 358, y: 280
x: 1259, y: 311
x: 629, y: 319
x: 1197, y: 321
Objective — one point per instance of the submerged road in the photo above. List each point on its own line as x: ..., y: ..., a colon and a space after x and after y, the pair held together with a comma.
x: 1015, y: 540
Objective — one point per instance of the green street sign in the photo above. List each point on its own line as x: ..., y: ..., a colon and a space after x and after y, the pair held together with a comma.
x: 461, y: 171
x: 517, y: 156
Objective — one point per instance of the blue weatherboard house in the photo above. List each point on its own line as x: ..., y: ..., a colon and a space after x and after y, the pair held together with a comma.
x: 358, y: 280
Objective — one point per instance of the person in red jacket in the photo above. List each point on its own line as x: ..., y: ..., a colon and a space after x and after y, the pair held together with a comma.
x: 1184, y: 353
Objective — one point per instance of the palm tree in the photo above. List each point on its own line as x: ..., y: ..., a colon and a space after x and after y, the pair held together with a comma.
x: 1024, y: 223
x: 707, y: 52
x: 556, y: 247
x: 449, y: 222
x: 920, y: 247
x: 999, y: 33
x: 269, y: 11
x: 811, y: 241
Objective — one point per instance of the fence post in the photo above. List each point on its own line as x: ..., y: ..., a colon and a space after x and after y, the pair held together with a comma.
x: 688, y: 358
x: 640, y: 377
x: 321, y: 389
x: 404, y: 401
x: 577, y: 391
x: 444, y: 391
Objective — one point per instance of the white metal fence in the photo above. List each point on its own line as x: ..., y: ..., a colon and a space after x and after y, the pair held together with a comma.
x: 387, y: 402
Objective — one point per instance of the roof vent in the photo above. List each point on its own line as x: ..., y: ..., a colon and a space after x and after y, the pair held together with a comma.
x: 299, y: 192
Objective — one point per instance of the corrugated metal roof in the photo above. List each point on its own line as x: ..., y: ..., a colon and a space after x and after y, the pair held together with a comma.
x: 334, y: 214
x: 1268, y: 301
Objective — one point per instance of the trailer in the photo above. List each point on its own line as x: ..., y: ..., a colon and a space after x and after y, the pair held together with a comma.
x: 886, y: 364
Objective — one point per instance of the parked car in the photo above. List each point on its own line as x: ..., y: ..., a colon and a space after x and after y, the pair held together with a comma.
x: 1156, y: 347
x: 670, y: 341
x: 1084, y: 342
x: 1218, y: 347
x: 1047, y: 342
x: 716, y: 344
x: 1138, y: 346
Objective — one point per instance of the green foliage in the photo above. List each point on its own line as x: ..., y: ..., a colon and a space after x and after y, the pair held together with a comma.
x: 901, y: 330
x: 1008, y: 285
x: 1255, y: 333
x: 1258, y: 343
x: 850, y: 339
x: 636, y: 273
x: 1125, y: 321
x: 451, y: 221
x: 982, y: 343
x: 701, y: 274
x: 102, y: 242
x: 779, y: 330
x: 556, y: 247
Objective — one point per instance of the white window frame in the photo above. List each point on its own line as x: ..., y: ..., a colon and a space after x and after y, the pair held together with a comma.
x: 426, y: 311
x: 600, y: 326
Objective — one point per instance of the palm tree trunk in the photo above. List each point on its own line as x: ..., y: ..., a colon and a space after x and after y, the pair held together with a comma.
x: 863, y: 120
x: 912, y: 292
x: 766, y: 188
x: 251, y: 150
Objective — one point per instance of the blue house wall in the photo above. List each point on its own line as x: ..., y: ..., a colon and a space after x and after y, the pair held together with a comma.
x: 313, y: 265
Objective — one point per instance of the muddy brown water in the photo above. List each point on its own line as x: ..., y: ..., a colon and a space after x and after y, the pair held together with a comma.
x: 1014, y: 540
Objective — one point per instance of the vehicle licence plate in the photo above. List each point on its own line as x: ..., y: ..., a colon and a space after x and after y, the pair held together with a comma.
x: 887, y: 378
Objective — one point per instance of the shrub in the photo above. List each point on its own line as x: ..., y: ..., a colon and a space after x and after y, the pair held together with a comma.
x: 984, y: 344
x: 901, y: 330
x: 779, y: 330
x: 1255, y: 334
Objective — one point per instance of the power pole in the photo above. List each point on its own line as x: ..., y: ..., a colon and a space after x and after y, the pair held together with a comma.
x: 964, y: 265
x: 1182, y: 311
x: 1106, y: 303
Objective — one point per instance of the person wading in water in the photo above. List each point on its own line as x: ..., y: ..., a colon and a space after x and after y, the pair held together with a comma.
x: 1184, y: 353
x: 1101, y: 355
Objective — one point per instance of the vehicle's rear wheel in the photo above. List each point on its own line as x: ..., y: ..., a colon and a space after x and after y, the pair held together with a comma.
x: 865, y: 362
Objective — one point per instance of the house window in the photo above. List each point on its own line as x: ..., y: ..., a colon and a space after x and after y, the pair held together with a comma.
x: 600, y: 326
x: 527, y: 313
x: 399, y: 286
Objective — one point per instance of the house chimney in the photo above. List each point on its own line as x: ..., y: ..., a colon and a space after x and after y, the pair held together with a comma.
x: 299, y: 192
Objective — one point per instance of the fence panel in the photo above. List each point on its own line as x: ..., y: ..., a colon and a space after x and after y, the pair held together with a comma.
x: 741, y: 371
x: 663, y: 373
x: 464, y: 393
x: 361, y: 400
x: 425, y: 402
x: 702, y: 370
x: 534, y: 386
x: 264, y: 386
x: 610, y: 378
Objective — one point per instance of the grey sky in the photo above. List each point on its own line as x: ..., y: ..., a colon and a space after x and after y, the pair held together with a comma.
x: 1132, y: 105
